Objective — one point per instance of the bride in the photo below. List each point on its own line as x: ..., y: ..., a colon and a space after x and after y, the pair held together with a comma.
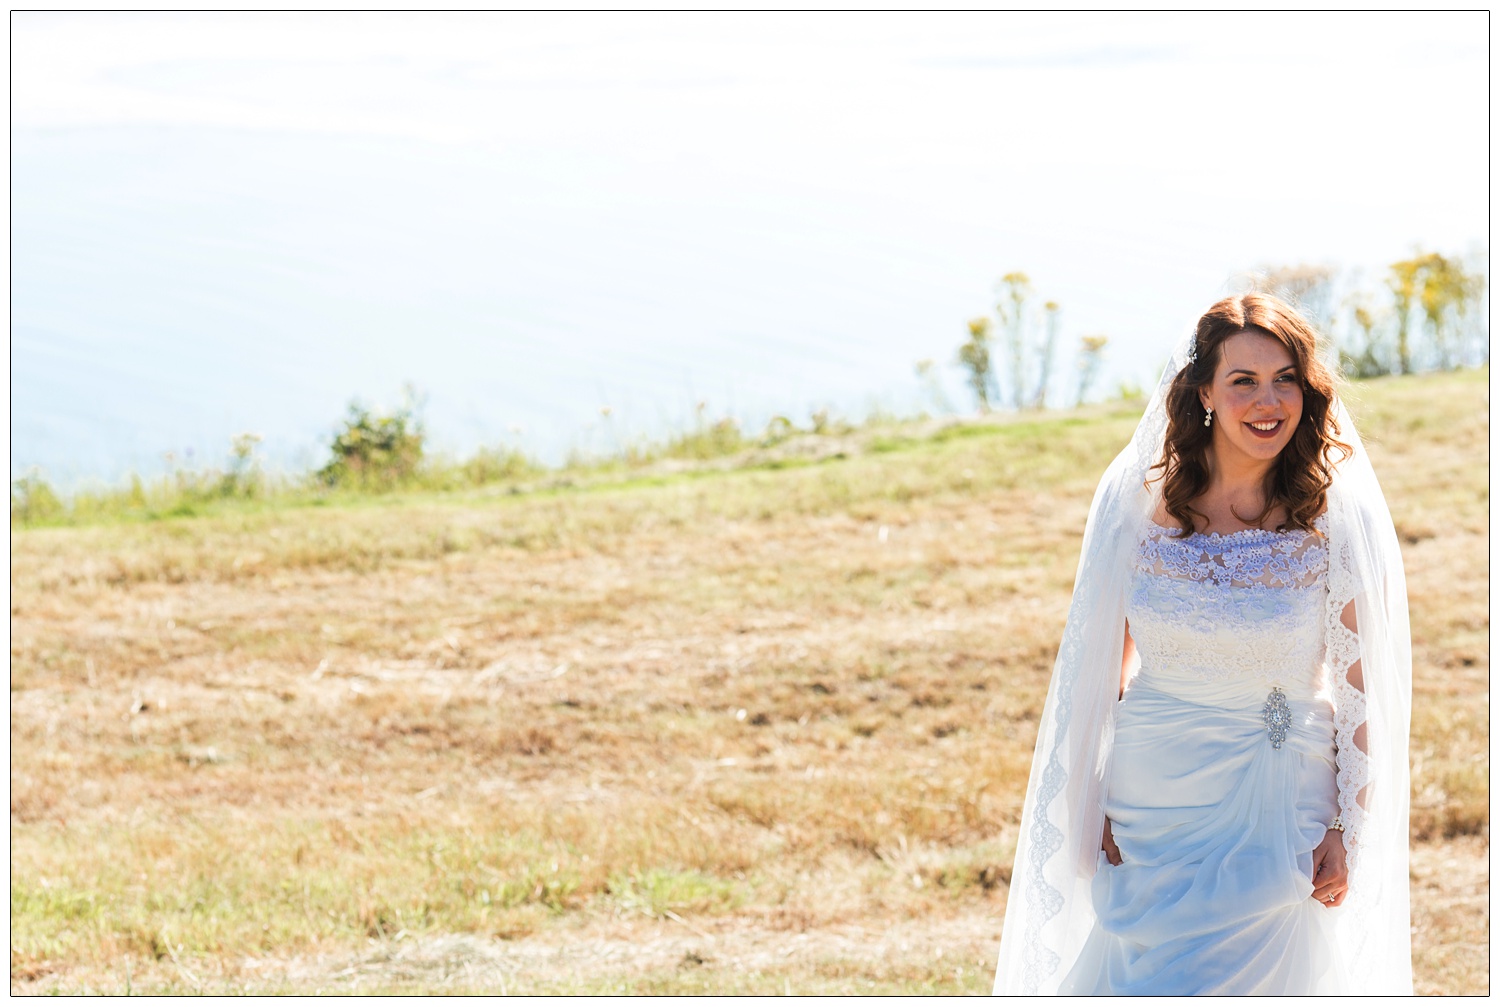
x: 1218, y: 801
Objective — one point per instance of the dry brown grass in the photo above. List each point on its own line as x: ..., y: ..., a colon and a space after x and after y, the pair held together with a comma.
x: 735, y: 731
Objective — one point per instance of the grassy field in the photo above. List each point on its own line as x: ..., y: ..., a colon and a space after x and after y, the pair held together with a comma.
x: 755, y: 726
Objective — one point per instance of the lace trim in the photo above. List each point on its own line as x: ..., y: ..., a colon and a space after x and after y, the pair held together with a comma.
x: 1349, y: 709
x: 1252, y: 557
x: 1043, y: 900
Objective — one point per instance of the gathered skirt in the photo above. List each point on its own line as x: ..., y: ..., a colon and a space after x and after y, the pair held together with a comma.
x: 1216, y: 829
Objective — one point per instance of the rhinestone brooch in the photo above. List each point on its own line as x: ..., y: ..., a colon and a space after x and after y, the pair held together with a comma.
x: 1278, y: 716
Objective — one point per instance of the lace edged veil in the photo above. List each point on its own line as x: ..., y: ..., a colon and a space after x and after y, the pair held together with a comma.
x: 1049, y: 913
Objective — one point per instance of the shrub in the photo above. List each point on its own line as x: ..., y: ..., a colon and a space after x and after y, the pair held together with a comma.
x: 33, y: 500
x: 501, y: 464
x: 707, y: 440
x: 374, y: 452
x: 243, y: 478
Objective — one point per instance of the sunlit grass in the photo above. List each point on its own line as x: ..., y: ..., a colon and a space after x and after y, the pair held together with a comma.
x: 718, y: 727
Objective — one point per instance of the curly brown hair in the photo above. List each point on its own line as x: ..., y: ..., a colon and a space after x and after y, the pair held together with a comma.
x: 1302, y: 473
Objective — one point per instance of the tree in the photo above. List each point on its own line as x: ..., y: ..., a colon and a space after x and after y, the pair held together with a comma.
x: 1367, y: 361
x: 1403, y: 283
x: 975, y: 356
x: 243, y: 475
x: 927, y: 374
x: 1437, y: 293
x: 1090, y: 356
x: 1308, y: 288
x: 1049, y: 347
x: 1479, y: 310
x: 33, y: 500
x: 1448, y: 294
x: 1476, y: 332
x: 1015, y: 288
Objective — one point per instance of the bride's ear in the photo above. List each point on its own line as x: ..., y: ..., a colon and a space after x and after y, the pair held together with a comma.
x: 1203, y: 399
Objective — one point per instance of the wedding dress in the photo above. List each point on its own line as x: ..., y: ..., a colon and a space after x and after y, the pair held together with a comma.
x: 1216, y: 812
x: 1222, y: 778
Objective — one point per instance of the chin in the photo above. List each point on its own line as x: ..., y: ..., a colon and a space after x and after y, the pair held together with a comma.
x: 1266, y: 450
x: 1258, y: 452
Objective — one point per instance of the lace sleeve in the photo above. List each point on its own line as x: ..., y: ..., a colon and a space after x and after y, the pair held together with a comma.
x: 1368, y: 638
x: 1350, y: 716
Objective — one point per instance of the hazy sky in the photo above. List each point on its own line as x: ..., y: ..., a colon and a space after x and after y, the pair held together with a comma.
x: 229, y: 222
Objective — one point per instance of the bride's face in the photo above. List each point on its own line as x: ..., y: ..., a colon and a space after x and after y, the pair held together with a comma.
x: 1256, y: 396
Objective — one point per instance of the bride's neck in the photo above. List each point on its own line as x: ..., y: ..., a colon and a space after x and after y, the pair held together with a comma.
x: 1239, y: 482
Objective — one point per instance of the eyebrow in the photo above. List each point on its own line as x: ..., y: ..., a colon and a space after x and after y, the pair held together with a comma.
x: 1242, y: 370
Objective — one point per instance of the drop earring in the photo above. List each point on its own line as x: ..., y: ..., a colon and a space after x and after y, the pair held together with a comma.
x: 1208, y: 418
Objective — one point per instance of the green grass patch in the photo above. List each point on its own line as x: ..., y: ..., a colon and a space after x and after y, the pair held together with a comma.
x: 662, y: 891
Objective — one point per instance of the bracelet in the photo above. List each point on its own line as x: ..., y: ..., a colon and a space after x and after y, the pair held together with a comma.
x: 1337, y: 825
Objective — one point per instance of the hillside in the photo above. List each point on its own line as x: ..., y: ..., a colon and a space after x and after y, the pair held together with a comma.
x: 756, y: 726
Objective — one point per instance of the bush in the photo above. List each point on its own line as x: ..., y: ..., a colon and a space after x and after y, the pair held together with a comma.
x: 374, y: 452
x: 243, y: 477
x: 32, y: 500
x: 493, y: 465
x: 707, y: 441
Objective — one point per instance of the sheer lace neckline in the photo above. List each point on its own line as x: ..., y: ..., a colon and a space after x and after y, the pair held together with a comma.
x: 1250, y: 557
x: 1320, y: 524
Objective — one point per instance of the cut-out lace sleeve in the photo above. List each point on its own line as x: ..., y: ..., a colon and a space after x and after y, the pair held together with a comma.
x: 1350, y: 714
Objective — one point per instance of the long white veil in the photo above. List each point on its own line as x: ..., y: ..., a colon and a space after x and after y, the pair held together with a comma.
x: 1049, y: 912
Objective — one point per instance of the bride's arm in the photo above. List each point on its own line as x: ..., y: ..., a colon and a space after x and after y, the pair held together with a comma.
x: 1127, y: 668
x: 1351, y: 736
x: 1352, y: 724
x: 1128, y: 663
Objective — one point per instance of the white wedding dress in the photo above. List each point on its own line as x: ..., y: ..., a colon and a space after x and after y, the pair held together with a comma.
x: 1216, y: 823
x: 1221, y: 780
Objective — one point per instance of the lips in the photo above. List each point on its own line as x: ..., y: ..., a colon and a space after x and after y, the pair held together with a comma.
x: 1265, y: 429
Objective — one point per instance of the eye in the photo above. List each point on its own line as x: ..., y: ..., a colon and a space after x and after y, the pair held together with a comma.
x: 1287, y: 379
x: 1243, y: 381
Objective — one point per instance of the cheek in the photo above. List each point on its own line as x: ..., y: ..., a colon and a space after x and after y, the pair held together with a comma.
x: 1236, y: 397
x: 1293, y: 405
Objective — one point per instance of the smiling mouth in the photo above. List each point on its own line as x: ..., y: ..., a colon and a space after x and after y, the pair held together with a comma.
x: 1265, y: 428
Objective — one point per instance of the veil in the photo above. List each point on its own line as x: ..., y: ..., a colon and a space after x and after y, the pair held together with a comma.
x: 1049, y: 912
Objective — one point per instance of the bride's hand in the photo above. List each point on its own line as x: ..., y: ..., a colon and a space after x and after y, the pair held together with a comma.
x: 1330, y: 874
x: 1111, y: 851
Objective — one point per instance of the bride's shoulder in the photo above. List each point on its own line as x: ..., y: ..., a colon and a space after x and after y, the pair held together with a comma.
x: 1162, y: 519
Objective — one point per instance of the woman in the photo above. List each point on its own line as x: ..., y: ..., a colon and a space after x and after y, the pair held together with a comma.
x: 1232, y: 817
